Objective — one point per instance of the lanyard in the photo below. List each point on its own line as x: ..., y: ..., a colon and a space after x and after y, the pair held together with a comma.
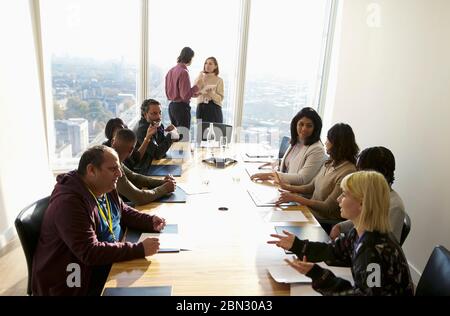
x: 102, y: 214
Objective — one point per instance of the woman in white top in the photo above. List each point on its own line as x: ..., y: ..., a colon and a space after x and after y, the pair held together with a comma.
x: 209, y: 108
x: 305, y: 155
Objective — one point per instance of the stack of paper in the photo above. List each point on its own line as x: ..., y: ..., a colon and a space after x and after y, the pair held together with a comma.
x: 286, y: 216
x: 167, y: 242
x: 266, y: 197
x: 284, y: 273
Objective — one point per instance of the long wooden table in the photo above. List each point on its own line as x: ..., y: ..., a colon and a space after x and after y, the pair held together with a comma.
x: 229, y: 252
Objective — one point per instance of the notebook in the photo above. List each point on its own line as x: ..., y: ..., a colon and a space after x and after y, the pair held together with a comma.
x: 138, y: 291
x: 134, y: 235
x: 164, y: 170
x: 178, y: 196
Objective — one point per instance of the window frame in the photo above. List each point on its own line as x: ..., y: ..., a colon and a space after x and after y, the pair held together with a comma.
x: 144, y: 64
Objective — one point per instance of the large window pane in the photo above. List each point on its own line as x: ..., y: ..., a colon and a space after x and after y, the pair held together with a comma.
x: 209, y: 27
x: 284, y: 62
x: 91, y: 49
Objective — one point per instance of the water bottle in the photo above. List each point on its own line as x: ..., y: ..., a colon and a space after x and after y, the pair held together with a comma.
x: 211, y: 136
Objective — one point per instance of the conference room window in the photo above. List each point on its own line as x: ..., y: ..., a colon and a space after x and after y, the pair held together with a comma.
x: 90, y: 52
x: 210, y: 28
x: 286, y: 45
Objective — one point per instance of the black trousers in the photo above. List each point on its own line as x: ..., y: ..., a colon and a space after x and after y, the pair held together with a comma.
x: 209, y: 112
x: 180, y: 115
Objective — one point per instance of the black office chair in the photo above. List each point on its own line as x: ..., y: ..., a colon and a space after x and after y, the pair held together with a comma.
x: 284, y: 145
x: 435, y: 279
x: 405, y: 229
x: 220, y: 129
x: 28, y: 225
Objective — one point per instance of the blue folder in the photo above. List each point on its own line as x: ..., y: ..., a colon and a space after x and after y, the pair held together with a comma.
x: 178, y: 196
x: 138, y: 291
x: 134, y: 235
x: 164, y: 170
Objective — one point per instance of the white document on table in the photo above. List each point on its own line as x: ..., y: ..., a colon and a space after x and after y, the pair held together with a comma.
x: 266, y: 196
x: 298, y: 289
x: 284, y: 273
x: 195, y: 188
x: 286, y: 216
x: 167, y: 242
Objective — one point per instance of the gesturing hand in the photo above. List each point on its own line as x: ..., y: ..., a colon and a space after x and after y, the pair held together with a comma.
x: 302, y: 266
x: 285, y: 242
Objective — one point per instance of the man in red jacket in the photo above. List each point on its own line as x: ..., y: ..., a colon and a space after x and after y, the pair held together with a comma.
x: 82, y: 226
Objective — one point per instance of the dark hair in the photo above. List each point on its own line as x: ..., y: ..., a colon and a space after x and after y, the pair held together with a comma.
x: 94, y: 156
x: 126, y: 135
x: 378, y: 159
x: 186, y: 55
x: 317, y: 122
x: 216, y: 71
x: 146, y: 105
x: 344, y: 147
x: 111, y: 125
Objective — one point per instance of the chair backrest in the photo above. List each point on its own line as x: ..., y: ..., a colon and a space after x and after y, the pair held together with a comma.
x: 285, y: 141
x: 28, y: 225
x: 405, y: 229
x: 435, y: 279
x: 220, y: 129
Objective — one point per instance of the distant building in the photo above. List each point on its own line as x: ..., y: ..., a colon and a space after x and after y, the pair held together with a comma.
x: 73, y: 131
x: 64, y: 151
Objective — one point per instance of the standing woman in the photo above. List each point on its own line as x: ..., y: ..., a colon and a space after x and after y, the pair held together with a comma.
x: 179, y: 92
x: 209, y: 108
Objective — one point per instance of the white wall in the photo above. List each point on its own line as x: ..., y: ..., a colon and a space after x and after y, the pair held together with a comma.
x: 392, y: 85
x: 24, y: 173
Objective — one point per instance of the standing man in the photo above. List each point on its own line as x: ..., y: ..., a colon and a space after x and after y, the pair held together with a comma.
x: 82, y: 226
x: 179, y: 92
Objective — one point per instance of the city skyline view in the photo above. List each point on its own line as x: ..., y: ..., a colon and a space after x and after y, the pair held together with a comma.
x: 88, y: 92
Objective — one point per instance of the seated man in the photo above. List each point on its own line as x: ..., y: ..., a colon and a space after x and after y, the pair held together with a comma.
x: 81, y: 229
x: 153, y: 139
x: 137, y: 188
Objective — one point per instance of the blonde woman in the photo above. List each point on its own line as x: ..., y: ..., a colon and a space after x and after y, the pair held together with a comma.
x: 378, y: 264
x: 209, y: 102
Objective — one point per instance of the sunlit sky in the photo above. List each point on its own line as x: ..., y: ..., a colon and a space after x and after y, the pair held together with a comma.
x: 285, y: 36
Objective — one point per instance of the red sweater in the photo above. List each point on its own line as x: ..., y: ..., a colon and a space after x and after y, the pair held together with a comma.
x: 178, y: 84
x: 68, y: 235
